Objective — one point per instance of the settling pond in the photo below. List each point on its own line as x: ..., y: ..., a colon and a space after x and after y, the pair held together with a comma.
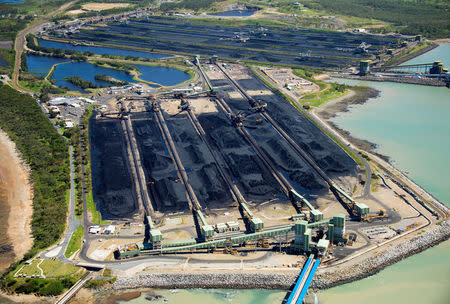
x: 100, y: 50
x: 41, y: 65
x: 236, y: 13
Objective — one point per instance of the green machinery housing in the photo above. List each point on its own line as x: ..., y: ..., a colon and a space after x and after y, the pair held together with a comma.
x: 302, y: 239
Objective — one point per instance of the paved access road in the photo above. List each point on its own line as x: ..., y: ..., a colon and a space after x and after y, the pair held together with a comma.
x: 19, y: 43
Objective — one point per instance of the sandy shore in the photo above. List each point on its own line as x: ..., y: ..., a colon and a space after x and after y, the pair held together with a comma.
x: 443, y: 40
x: 15, y: 179
x: 355, y: 96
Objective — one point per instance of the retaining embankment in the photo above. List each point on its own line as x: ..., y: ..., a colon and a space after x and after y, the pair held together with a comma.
x: 325, y: 278
x: 333, y: 276
x: 434, y: 82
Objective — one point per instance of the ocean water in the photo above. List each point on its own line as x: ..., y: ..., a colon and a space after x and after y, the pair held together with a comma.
x: 214, y: 296
x: 411, y: 125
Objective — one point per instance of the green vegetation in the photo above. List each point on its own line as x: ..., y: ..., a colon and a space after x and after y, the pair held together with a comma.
x: 58, y: 53
x: 398, y: 58
x: 194, y: 5
x: 17, y: 16
x: 107, y: 272
x: 106, y: 78
x: 296, y: 105
x: 46, y: 152
x: 75, y: 242
x: 53, y: 268
x: 41, y: 287
x: 96, y: 216
x: 58, y: 277
x: 74, y: 135
x: 427, y: 17
x: 95, y: 284
x: 31, y: 269
x: 32, y: 85
x: 6, y: 61
x: 80, y: 82
x: 115, y: 65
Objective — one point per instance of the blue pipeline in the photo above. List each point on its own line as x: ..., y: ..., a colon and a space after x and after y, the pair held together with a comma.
x: 308, y: 282
x: 291, y: 297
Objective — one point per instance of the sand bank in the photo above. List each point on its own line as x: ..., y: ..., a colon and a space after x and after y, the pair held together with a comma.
x: 15, y: 180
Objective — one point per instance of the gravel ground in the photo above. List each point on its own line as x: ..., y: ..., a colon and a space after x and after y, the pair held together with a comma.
x: 325, y: 278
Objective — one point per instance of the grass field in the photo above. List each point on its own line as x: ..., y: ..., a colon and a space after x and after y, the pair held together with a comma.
x: 75, y: 242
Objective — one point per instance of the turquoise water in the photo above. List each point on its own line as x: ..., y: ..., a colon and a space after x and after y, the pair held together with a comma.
x: 214, y: 296
x: 440, y: 53
x: 411, y: 125
x: 98, y: 49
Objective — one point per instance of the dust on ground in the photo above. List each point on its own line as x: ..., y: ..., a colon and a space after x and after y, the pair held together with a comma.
x: 103, y: 6
x: 321, y: 77
x: 14, y: 175
x: 203, y: 105
x: 287, y: 80
x: 171, y: 106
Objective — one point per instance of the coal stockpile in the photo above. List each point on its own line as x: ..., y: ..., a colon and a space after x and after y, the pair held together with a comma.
x: 253, y: 179
x: 294, y: 168
x: 166, y: 189
x: 327, y: 154
x: 113, y: 187
x: 290, y: 46
x: 204, y: 177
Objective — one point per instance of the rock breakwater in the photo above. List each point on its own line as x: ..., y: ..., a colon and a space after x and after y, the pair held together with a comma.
x: 325, y: 278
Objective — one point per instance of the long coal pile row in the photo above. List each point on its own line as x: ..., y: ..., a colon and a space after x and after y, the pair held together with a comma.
x: 327, y: 154
x: 248, y: 172
x: 113, y: 187
x: 204, y: 177
x: 301, y: 176
x: 326, y: 49
x: 166, y: 190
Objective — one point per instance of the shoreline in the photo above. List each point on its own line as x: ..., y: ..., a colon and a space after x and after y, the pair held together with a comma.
x: 15, y: 176
x: 356, y: 96
x: 415, y: 54
x: 326, y: 277
x: 330, y: 276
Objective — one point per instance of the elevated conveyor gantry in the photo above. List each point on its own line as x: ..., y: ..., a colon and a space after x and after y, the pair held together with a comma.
x: 353, y: 207
x: 206, y: 231
x: 255, y: 224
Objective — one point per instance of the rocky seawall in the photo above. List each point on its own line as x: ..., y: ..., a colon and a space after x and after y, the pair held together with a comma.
x: 325, y: 278
x: 333, y: 276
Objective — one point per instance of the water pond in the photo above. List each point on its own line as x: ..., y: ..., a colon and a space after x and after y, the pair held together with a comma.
x: 98, y: 49
x: 41, y: 65
x: 236, y: 13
